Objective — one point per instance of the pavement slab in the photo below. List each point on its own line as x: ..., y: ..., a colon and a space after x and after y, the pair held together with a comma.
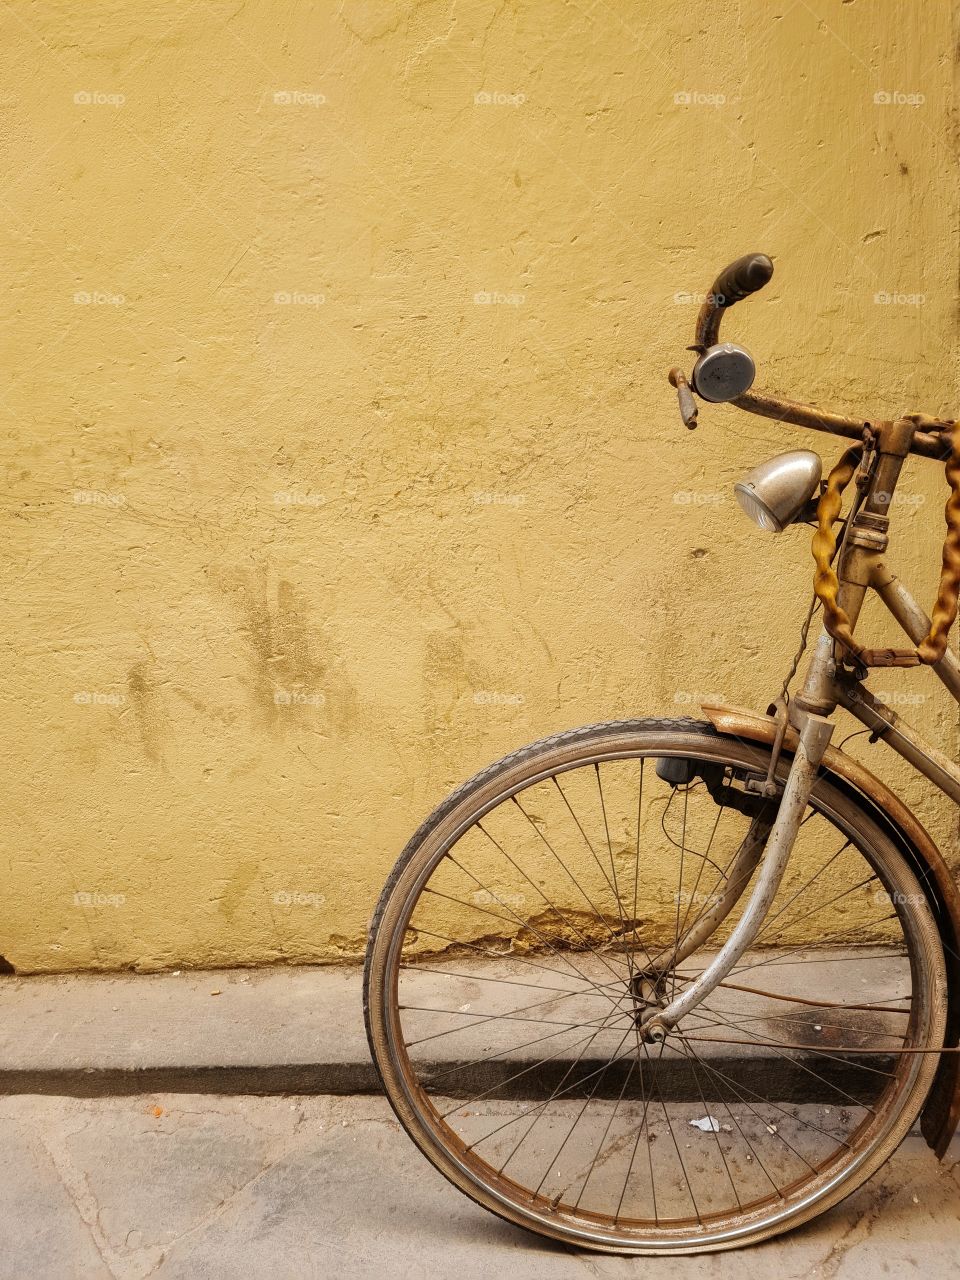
x: 201, y: 1187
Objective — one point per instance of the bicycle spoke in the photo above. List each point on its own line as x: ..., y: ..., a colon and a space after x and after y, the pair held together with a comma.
x: 878, y: 1006
x: 473, y: 906
x: 613, y: 868
x: 586, y: 838
x: 777, y: 1047
x: 803, y: 888
x: 498, y: 955
x: 489, y: 1057
x: 683, y: 843
x: 687, y: 1041
x: 485, y: 977
x: 813, y: 910
x: 636, y: 863
x: 773, y: 962
x: 517, y: 1075
x: 771, y: 1129
x: 799, y: 1022
x: 693, y: 893
x: 633, y: 1155
x: 603, y: 1137
x: 716, y: 1135
x: 559, y: 914
x: 753, y: 1151
x: 583, y: 1079
x: 550, y: 904
x: 587, y: 1101
x: 488, y: 1017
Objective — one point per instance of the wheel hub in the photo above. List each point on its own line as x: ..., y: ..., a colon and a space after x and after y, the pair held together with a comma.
x: 648, y: 991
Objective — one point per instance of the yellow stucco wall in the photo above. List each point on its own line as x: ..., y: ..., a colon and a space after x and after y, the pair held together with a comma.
x: 297, y: 532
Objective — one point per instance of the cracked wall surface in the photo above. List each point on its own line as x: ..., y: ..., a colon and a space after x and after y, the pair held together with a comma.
x: 339, y: 455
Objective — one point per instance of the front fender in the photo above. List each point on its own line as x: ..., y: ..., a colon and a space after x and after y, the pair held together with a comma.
x: 941, y: 1111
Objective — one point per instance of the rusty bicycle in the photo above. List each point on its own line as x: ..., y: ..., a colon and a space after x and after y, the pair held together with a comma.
x: 664, y: 986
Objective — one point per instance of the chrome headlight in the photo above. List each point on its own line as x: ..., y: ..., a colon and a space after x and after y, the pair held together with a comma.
x: 776, y: 492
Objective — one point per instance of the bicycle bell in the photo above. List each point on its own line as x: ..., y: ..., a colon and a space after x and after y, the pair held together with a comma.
x: 723, y: 372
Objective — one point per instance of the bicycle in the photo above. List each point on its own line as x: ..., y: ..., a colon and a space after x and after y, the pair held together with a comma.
x: 668, y: 986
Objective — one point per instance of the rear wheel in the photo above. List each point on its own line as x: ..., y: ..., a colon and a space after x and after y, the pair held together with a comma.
x: 524, y: 931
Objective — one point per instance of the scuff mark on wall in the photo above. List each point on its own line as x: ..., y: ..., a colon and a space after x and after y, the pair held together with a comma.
x: 146, y: 700
x: 236, y: 889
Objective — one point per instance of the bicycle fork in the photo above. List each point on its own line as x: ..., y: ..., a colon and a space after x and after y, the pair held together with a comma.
x: 815, y: 732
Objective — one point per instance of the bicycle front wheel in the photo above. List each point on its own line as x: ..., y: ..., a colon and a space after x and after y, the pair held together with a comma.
x: 562, y: 892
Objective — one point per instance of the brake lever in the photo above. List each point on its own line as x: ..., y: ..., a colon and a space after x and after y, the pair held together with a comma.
x: 688, y: 406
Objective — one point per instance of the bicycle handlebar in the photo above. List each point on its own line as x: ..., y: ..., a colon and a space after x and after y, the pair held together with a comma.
x: 724, y: 372
x: 737, y: 281
x: 733, y: 284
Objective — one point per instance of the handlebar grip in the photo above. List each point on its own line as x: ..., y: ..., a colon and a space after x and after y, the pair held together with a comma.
x: 741, y: 278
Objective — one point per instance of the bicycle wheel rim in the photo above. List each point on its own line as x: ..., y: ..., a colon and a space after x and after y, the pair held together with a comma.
x: 512, y: 1199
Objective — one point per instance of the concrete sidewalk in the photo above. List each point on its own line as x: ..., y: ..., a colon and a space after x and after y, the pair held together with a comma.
x: 284, y: 1030
x: 300, y: 1031
x: 202, y: 1188
x: 124, y: 1180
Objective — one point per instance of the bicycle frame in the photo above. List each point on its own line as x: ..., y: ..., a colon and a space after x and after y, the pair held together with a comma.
x: 827, y: 685
x: 834, y: 677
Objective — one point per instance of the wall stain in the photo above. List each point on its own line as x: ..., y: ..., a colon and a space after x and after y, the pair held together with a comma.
x: 444, y: 677
x: 225, y: 717
x: 236, y: 889
x: 290, y: 684
x: 148, y: 708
